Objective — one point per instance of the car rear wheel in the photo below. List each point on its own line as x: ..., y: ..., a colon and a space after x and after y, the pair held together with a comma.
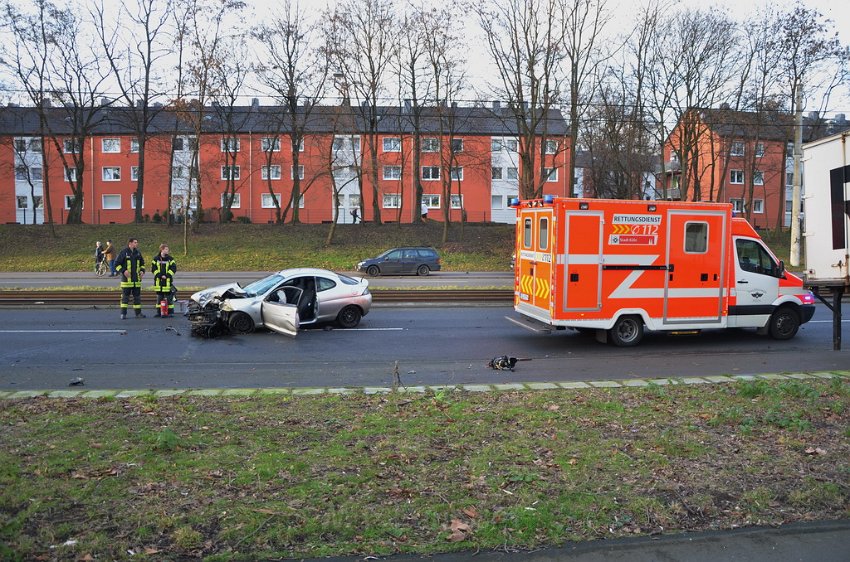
x: 784, y: 323
x: 627, y: 331
x: 423, y: 270
x: 240, y: 323
x: 373, y: 270
x: 349, y: 317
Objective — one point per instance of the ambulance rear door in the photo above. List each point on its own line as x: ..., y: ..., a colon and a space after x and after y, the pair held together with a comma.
x: 534, y: 258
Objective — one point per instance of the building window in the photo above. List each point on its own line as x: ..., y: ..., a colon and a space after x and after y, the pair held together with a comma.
x: 111, y: 173
x: 301, y: 201
x: 23, y: 201
x: 110, y: 145
x: 496, y: 173
x: 758, y: 206
x: 430, y: 145
x: 737, y: 149
x: 38, y: 202
x: 674, y: 158
x: 300, y: 145
x: 497, y: 202
x: 551, y: 147
x: 21, y: 173
x: 737, y: 205
x: 513, y: 173
x: 392, y: 144
x: 736, y: 176
x: 789, y: 179
x: 35, y: 146
x: 391, y: 200
x: 134, y: 173
x: 230, y: 172
x: 230, y: 144
x: 178, y: 144
x: 28, y: 174
x: 177, y: 172
x: 69, y: 200
x: 270, y: 144
x: 20, y: 147
x: 457, y: 145
x: 456, y: 173
x: 758, y: 177
x: 267, y: 200
x: 271, y: 172
x: 300, y: 172
x: 133, y: 201
x: 430, y: 172
x: 134, y: 144
x: 70, y: 174
x: 432, y: 201
x: 551, y: 174
x: 392, y: 172
x: 237, y: 200
x: 759, y: 150
x: 111, y: 202
x: 456, y: 201
x: 70, y: 146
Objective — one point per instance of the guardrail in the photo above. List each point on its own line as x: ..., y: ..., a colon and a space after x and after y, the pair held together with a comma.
x: 80, y: 298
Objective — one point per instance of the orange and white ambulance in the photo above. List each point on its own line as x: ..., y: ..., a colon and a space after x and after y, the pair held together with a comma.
x: 618, y: 267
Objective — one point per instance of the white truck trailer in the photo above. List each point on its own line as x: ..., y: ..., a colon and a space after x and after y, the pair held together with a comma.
x: 826, y: 232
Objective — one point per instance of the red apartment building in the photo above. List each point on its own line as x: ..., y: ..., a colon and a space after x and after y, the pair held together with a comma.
x: 468, y: 164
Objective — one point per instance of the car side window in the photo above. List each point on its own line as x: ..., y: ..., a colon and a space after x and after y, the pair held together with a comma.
x: 394, y: 255
x: 410, y: 254
x: 323, y: 284
x: 427, y: 254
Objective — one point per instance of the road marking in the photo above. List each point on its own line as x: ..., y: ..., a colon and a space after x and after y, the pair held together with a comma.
x: 824, y: 321
x: 374, y: 329
x: 527, y: 326
x: 63, y: 331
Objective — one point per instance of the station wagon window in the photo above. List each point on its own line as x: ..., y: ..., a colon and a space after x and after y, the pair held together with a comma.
x: 526, y: 233
x: 696, y: 237
x: 544, y: 233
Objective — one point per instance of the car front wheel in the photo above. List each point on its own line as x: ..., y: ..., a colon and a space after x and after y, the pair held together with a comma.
x: 349, y: 317
x: 423, y: 270
x: 240, y: 323
x: 373, y: 270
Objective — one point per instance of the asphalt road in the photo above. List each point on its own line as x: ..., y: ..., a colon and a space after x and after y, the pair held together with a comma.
x: 45, y: 349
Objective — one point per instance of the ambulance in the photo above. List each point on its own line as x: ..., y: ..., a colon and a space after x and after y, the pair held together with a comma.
x: 617, y: 268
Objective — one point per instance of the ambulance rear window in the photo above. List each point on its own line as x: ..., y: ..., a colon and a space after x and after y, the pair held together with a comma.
x: 526, y: 233
x: 544, y: 233
x: 696, y: 237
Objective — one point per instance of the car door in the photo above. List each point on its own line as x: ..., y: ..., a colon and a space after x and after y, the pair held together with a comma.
x: 391, y: 264
x: 281, y: 317
x: 409, y: 262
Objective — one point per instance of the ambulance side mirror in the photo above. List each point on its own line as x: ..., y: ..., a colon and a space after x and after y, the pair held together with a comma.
x: 781, y: 271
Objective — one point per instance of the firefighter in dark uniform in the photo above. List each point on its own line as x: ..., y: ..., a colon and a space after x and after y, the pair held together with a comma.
x: 130, y: 267
x: 163, y: 268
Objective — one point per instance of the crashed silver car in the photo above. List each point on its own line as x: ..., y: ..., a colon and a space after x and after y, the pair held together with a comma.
x: 281, y: 302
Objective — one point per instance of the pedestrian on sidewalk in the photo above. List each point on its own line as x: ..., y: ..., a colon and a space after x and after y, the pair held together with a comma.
x: 163, y: 268
x: 98, y: 254
x: 109, y: 256
x: 130, y: 267
x: 424, y: 210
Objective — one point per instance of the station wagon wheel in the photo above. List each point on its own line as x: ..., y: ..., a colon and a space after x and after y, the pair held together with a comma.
x: 240, y: 323
x: 373, y: 270
x: 627, y: 331
x: 784, y: 323
x: 349, y: 317
x: 423, y: 270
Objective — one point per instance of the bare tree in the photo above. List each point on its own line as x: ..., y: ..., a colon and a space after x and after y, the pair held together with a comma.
x: 365, y: 37
x: 525, y: 41
x: 294, y: 70
x: 133, y: 48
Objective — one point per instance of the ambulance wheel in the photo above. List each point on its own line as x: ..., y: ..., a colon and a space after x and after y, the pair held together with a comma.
x: 784, y: 323
x: 627, y: 331
x: 240, y: 323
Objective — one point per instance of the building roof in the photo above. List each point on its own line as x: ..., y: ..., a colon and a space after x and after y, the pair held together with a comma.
x: 255, y: 118
x: 770, y: 125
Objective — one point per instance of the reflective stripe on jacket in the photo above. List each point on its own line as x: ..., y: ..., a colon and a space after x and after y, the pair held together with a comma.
x: 132, y: 261
x: 163, y: 266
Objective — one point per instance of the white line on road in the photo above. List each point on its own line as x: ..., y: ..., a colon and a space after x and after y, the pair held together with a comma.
x: 824, y: 321
x: 374, y: 330
x: 63, y: 331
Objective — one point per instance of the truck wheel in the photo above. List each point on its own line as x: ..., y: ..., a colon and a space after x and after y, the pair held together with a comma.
x: 373, y: 271
x: 627, y: 331
x: 784, y: 323
x: 240, y: 323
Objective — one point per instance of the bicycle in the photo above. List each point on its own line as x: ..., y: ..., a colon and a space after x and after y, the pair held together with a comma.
x: 101, y: 268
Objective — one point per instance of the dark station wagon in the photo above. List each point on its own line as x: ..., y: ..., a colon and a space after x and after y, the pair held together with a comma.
x: 418, y: 260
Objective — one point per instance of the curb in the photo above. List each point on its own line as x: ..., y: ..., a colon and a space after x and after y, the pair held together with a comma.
x: 503, y: 387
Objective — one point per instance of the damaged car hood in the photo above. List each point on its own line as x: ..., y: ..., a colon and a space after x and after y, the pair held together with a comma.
x: 221, y: 292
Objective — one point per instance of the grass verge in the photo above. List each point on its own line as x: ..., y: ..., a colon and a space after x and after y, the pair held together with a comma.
x: 268, y: 476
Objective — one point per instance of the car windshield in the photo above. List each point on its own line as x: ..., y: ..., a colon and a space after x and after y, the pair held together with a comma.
x: 262, y: 286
